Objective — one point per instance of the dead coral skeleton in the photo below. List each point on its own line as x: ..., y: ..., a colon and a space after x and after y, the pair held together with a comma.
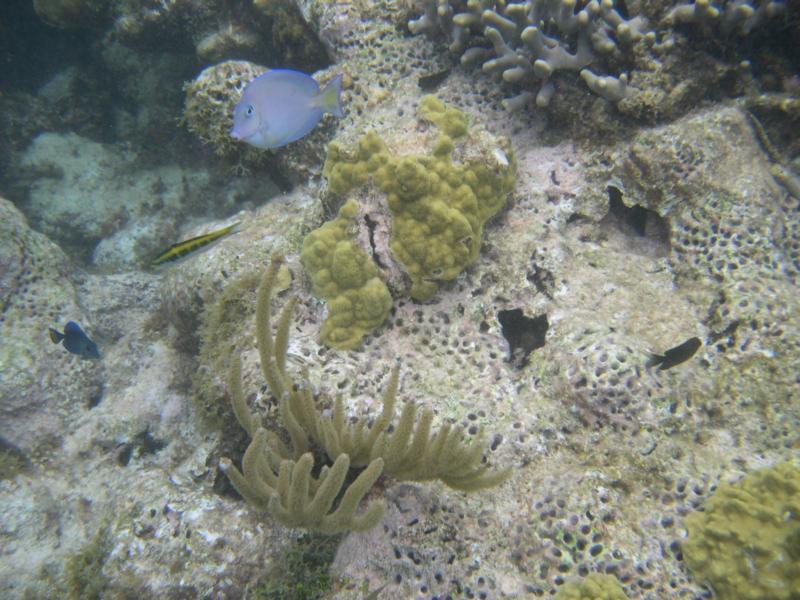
x: 278, y: 479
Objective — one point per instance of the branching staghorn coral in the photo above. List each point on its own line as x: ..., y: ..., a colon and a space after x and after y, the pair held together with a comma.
x: 741, y: 16
x: 526, y: 42
x: 529, y: 41
x: 278, y: 478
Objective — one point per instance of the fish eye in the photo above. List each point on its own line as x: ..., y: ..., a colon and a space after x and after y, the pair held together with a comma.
x: 250, y: 110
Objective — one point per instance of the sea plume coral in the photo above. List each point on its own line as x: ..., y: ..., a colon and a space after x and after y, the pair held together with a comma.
x: 277, y: 477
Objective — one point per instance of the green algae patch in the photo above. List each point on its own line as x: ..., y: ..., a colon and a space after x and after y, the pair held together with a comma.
x: 302, y: 572
x: 221, y: 324
x: 12, y: 462
x: 83, y: 570
x: 595, y: 586
x: 347, y: 278
x: 438, y: 206
x: 746, y: 543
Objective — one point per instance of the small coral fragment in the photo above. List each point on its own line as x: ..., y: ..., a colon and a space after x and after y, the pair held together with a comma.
x: 610, y: 88
x: 595, y: 586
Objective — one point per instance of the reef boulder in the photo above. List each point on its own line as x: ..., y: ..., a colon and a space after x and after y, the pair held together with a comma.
x: 43, y: 388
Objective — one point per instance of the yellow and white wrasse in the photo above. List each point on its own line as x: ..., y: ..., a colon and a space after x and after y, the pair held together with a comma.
x: 188, y: 247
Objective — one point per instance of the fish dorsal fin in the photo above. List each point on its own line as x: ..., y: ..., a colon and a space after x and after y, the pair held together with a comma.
x: 276, y: 78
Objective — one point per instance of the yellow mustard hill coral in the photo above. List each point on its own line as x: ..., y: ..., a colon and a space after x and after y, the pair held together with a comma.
x: 438, y: 207
x: 347, y: 279
x: 746, y: 543
x: 594, y: 586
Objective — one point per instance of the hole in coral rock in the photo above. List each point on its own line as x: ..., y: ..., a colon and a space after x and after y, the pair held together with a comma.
x: 523, y: 334
x: 642, y: 230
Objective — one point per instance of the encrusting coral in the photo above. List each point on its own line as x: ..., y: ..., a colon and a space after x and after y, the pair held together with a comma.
x: 278, y: 479
x: 435, y: 205
x: 595, y: 586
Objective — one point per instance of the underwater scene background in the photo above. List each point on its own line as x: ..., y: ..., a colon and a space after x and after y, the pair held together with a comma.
x: 502, y: 304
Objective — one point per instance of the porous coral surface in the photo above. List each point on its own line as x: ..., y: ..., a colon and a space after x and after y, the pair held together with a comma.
x: 616, y: 245
x: 43, y: 387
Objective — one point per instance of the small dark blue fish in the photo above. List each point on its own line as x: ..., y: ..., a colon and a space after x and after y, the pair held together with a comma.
x: 75, y: 340
x: 677, y: 355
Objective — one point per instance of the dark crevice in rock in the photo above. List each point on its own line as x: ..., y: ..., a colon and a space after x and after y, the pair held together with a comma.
x: 634, y: 217
x: 648, y: 233
x: 371, y: 226
x: 542, y: 279
x: 523, y: 334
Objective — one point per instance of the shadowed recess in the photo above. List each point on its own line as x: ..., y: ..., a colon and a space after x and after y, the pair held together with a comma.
x: 523, y: 334
x: 648, y: 232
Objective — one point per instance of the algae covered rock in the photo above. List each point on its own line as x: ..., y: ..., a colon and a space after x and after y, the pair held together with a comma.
x: 595, y: 586
x: 69, y: 14
x: 84, y: 192
x: 746, y: 544
x: 211, y: 98
x: 43, y: 388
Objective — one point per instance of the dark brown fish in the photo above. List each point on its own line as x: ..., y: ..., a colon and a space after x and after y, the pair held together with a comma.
x: 431, y: 82
x: 677, y: 355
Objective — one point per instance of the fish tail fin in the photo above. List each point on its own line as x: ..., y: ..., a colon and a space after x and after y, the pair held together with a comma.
x: 234, y: 227
x: 655, y: 360
x: 330, y: 98
x: 55, y: 336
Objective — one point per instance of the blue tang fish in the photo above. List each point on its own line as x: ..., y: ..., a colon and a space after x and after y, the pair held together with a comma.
x: 75, y: 340
x: 281, y: 106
